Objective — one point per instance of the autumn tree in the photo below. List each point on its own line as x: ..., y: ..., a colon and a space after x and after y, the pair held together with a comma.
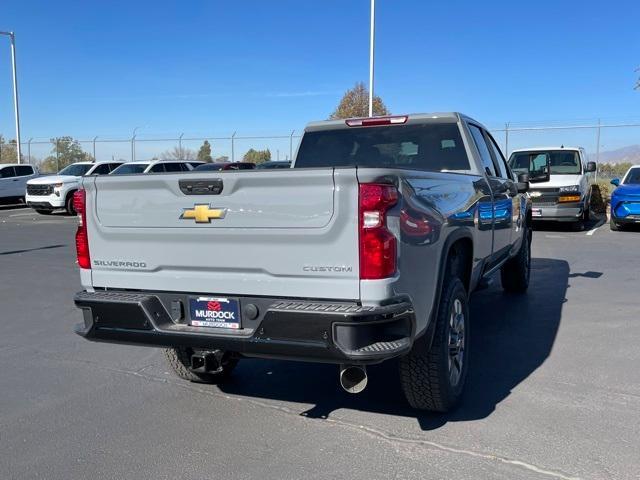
x: 64, y: 151
x: 355, y: 103
x: 204, y: 154
x: 257, y: 156
x: 8, y: 151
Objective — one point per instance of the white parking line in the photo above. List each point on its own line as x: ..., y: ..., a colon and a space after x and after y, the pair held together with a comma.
x: 12, y: 209
x: 596, y: 227
x: 23, y: 214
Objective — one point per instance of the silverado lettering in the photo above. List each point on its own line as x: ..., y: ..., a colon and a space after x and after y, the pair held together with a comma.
x: 119, y: 263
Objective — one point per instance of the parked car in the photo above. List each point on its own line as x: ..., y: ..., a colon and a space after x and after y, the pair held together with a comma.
x: 195, y: 163
x: 625, y: 199
x: 366, y: 250
x: 563, y: 179
x: 153, y: 166
x: 14, y: 178
x: 51, y: 192
x: 211, y: 167
x: 273, y: 165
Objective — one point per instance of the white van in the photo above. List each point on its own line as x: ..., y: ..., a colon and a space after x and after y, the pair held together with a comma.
x: 561, y: 181
x: 13, y: 179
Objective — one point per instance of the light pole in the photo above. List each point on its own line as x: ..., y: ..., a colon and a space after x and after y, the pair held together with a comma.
x: 15, y: 90
x: 133, y: 144
x: 372, y: 39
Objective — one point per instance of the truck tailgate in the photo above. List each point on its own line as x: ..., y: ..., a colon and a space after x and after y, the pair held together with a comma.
x: 289, y: 233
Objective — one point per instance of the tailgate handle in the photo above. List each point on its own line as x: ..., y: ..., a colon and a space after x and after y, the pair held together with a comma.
x: 209, y: 186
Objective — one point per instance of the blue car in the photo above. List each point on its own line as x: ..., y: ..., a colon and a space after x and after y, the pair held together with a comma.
x: 625, y: 199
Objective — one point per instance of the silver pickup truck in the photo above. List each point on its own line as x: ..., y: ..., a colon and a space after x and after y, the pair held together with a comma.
x: 365, y: 250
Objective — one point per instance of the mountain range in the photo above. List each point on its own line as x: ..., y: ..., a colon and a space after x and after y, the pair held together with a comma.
x: 630, y: 154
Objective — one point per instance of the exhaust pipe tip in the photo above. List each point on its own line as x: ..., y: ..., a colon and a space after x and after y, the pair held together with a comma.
x: 353, y: 378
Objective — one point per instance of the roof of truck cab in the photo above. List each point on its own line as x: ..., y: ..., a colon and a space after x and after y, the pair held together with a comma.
x: 539, y: 149
x: 411, y: 118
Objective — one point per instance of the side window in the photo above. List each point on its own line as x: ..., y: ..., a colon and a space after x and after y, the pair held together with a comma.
x: 485, y: 155
x: 499, y: 159
x: 23, y: 170
x: 101, y: 169
x: 7, y: 172
x: 157, y: 168
x: 113, y: 166
x: 173, y: 167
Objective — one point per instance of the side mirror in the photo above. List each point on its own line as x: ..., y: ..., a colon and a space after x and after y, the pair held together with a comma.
x: 591, y: 167
x: 615, y: 181
x: 539, y: 177
x: 523, y: 183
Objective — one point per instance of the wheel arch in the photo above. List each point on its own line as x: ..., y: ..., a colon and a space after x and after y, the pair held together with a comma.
x: 459, y: 244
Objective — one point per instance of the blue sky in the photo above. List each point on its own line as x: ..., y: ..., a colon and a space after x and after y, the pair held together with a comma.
x: 267, y: 67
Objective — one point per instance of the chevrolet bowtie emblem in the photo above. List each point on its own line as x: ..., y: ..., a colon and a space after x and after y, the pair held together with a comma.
x: 203, y: 213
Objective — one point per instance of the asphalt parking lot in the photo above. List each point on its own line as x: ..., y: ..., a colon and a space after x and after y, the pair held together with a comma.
x: 553, y: 391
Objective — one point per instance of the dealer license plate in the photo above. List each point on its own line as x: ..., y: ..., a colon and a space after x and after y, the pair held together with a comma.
x: 214, y: 312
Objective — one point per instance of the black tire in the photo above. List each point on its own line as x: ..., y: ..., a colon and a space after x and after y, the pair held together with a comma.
x: 68, y: 204
x: 44, y: 212
x: 613, y: 226
x: 586, y: 214
x: 179, y: 359
x: 427, y: 374
x: 577, y: 226
x: 516, y: 272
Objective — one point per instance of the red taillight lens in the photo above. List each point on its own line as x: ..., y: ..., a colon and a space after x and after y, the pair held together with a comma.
x: 82, y: 240
x: 377, y: 243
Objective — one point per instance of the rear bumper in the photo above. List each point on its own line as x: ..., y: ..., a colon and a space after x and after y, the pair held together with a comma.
x: 569, y: 212
x: 322, y: 331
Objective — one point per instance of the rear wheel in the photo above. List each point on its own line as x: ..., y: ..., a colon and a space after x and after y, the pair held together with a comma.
x: 516, y: 272
x: 433, y: 378
x: 179, y: 359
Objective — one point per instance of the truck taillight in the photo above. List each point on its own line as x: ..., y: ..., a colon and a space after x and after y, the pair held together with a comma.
x: 376, y: 121
x: 82, y: 240
x: 377, y: 243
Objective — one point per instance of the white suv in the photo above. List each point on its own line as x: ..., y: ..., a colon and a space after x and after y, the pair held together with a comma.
x: 13, y: 179
x: 156, y: 166
x: 48, y: 193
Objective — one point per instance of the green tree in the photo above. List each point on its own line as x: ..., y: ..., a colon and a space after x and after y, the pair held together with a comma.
x: 65, y: 151
x: 257, y: 156
x: 8, y: 151
x: 204, y: 154
x: 355, y: 103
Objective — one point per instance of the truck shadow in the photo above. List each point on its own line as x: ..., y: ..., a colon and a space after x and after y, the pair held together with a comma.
x: 512, y: 336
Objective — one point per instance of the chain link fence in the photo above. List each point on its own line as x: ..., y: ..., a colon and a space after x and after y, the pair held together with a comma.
x: 604, y: 143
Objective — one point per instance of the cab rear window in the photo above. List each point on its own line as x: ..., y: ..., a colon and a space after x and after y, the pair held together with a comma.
x: 431, y: 147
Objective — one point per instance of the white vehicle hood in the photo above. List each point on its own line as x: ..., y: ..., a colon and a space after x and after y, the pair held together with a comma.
x: 46, y: 180
x: 557, y: 180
